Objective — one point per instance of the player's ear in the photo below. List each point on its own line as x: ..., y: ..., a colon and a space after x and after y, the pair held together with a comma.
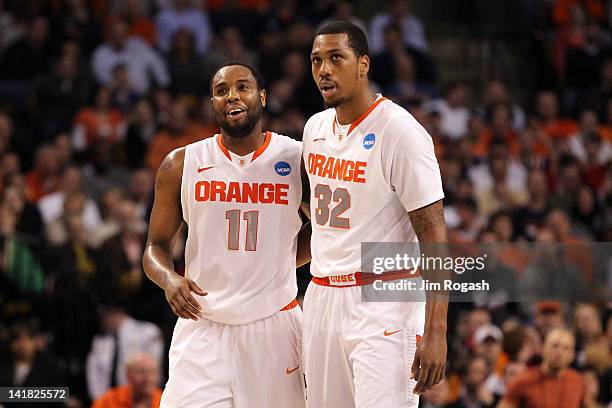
x: 364, y: 66
x: 263, y: 95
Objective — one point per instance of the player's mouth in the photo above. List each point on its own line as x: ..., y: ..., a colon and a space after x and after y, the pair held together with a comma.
x: 236, y: 112
x: 328, y: 88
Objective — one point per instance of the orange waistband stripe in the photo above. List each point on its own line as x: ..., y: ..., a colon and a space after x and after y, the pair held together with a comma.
x: 290, y: 306
x: 364, y: 278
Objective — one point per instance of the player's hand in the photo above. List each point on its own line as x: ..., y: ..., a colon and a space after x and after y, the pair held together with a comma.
x: 429, y: 361
x: 178, y: 294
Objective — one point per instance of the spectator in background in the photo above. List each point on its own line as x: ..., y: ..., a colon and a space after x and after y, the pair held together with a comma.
x: 189, y: 72
x: 29, y: 56
x: 74, y: 206
x: 44, y: 177
x: 588, y: 329
x: 123, y: 338
x: 398, y: 12
x: 140, y: 132
x: 51, y: 206
x: 123, y: 253
x: 453, y: 111
x: 141, y: 186
x: 59, y: 95
x: 179, y: 133
x: 552, y: 384
x: 589, y: 126
x: 343, y: 11
x: 139, y: 23
x: 20, y: 265
x: 496, y: 92
x: 488, y: 344
x: 101, y: 173
x: 548, y: 316
x: 591, y: 389
x: 530, y: 217
x: 28, y: 364
x: 97, y: 123
x: 29, y: 221
x: 230, y: 47
x: 183, y: 14
x: 547, y: 111
x: 122, y: 93
x: 145, y: 66
x: 436, y: 396
x: 473, y: 393
x: 142, y: 388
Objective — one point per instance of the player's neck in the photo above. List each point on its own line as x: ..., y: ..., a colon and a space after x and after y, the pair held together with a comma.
x: 349, y: 111
x: 244, y: 145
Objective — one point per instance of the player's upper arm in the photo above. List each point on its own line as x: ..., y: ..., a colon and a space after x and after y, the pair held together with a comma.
x: 411, y: 167
x: 166, y: 216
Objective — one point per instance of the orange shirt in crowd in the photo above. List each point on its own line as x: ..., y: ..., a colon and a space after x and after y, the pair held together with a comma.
x: 560, y: 128
x: 121, y: 397
x: 533, y: 389
x: 96, y: 126
x: 164, y: 142
x: 483, y: 146
x: 38, y: 185
x: 142, y: 27
x: 563, y: 8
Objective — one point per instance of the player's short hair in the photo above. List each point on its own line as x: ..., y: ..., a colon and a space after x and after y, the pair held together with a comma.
x: 256, y: 74
x: 356, y: 37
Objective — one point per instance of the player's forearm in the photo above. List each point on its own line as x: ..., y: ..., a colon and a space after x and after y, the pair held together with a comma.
x: 157, y: 264
x: 430, y: 227
x: 303, y: 249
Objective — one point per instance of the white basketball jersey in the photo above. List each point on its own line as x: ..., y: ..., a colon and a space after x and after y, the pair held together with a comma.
x: 243, y: 222
x: 363, y: 183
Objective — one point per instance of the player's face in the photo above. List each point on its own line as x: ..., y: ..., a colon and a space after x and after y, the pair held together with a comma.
x: 335, y: 68
x: 236, y: 101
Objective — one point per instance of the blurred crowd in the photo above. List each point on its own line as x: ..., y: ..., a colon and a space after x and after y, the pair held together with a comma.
x: 94, y: 94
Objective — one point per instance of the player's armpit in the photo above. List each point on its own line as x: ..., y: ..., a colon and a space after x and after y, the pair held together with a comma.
x: 303, y: 249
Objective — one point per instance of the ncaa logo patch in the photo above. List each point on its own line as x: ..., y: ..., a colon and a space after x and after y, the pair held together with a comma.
x: 368, y: 141
x: 282, y: 168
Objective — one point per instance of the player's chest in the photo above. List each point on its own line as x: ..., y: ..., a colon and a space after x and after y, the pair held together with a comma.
x: 354, y: 159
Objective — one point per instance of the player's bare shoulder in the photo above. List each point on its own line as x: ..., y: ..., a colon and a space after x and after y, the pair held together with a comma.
x: 170, y: 171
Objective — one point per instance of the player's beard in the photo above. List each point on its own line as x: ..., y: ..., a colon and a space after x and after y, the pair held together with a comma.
x: 334, y: 104
x: 237, y: 130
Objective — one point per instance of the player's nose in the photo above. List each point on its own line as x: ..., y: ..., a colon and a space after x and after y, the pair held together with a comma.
x: 326, y: 68
x: 232, y: 95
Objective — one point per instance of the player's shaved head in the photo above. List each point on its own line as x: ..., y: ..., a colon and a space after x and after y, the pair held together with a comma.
x: 254, y: 72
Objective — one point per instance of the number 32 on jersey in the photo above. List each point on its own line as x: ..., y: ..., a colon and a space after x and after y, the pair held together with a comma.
x: 324, y: 212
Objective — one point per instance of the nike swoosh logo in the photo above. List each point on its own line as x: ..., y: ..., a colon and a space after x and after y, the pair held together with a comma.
x: 388, y: 333
x: 316, y: 140
x: 289, y: 371
x: 201, y: 169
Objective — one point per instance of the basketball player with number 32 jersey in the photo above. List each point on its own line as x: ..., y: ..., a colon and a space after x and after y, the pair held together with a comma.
x: 373, y: 178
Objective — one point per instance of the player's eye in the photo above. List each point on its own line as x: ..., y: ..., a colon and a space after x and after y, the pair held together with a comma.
x: 316, y: 60
x: 336, y: 57
x: 243, y: 86
x: 220, y: 91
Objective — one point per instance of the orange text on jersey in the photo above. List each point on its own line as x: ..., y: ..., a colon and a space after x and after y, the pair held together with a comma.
x: 339, y: 169
x: 235, y: 192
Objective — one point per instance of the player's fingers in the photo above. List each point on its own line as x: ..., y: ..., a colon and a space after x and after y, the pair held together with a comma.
x: 194, y: 287
x: 191, y: 304
x: 422, y: 377
x: 414, y: 370
x: 188, y: 308
x: 440, y: 373
x: 183, y: 308
x: 177, y: 311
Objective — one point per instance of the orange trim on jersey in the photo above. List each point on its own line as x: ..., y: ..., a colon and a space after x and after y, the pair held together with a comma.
x: 257, y: 153
x: 223, y: 148
x: 263, y: 147
x: 360, y: 119
x: 364, y: 278
x: 290, y: 306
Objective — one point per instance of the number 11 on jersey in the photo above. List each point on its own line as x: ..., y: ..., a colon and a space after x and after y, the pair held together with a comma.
x: 233, y: 233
